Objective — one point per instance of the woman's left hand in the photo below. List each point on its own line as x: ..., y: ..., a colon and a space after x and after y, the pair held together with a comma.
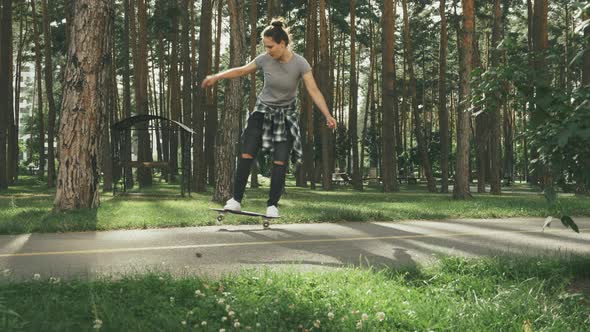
x: 331, y: 122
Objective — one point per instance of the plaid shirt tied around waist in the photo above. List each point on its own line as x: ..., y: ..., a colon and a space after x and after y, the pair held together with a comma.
x: 274, y: 128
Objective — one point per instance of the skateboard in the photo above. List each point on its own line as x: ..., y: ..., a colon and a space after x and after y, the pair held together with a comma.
x: 266, y: 219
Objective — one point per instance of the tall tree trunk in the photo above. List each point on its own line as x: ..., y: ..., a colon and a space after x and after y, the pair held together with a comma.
x: 422, y: 145
x: 307, y: 123
x: 495, y: 116
x: 252, y: 99
x: 5, y: 87
x: 174, y: 88
x: 389, y: 166
x: 482, y: 132
x: 13, y: 135
x: 50, y: 100
x: 200, y: 165
x: 443, y: 113
x: 126, y: 148
x: 586, y: 57
x: 212, y: 115
x: 228, y: 137
x: 357, y: 180
x: 187, y: 102
x: 83, y: 105
x: 274, y: 9
x: 324, y: 78
x: 144, y: 148
x: 461, y: 188
x: 368, y: 99
x: 542, y: 81
x: 40, y: 117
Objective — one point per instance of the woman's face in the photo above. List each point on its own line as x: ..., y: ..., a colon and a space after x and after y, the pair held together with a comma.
x: 272, y: 48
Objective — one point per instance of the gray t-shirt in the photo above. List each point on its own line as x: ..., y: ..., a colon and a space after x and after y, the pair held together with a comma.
x: 280, y: 79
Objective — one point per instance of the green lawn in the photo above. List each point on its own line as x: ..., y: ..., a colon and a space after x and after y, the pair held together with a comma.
x: 491, y: 294
x: 27, y: 208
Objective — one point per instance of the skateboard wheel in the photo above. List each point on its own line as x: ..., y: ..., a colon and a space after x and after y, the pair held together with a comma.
x: 266, y: 224
x: 219, y: 218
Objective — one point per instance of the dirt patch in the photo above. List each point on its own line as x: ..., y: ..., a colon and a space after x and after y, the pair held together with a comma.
x: 580, y: 286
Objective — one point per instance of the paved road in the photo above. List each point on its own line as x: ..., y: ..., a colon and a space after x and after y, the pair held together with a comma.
x: 213, y: 251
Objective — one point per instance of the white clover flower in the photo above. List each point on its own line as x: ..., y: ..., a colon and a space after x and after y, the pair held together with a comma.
x: 183, y: 322
x: 275, y: 312
x: 171, y: 299
x: 248, y: 328
x: 227, y: 307
x: 291, y: 306
x: 198, y: 293
x: 37, y: 276
x: 257, y: 324
x: 204, y: 323
x: 223, y: 319
x: 54, y: 280
x: 221, y: 301
x: 161, y: 278
x: 359, y: 325
x: 221, y: 330
x: 237, y: 325
x: 344, y: 318
x: 231, y: 314
x: 97, y: 324
x: 380, y: 316
x: 316, y: 323
x: 190, y: 313
x: 365, y: 317
x: 330, y: 315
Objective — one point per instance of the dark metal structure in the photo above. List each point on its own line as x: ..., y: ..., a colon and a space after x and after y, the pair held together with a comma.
x: 163, y: 125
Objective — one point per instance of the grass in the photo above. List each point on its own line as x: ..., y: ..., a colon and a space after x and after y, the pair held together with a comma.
x: 28, y: 207
x: 491, y: 294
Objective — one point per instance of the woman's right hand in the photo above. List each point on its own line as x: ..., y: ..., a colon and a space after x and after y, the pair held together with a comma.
x: 209, y: 81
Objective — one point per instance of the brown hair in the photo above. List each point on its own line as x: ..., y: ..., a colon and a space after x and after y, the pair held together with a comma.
x: 277, y: 31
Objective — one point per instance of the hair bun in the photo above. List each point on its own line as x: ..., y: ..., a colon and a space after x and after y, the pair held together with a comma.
x: 277, y: 24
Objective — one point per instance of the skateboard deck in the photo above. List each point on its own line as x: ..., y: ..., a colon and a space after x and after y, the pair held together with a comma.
x: 265, y: 223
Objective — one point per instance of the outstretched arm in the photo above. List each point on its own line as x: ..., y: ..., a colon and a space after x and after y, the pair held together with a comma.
x: 230, y: 73
x: 318, y: 98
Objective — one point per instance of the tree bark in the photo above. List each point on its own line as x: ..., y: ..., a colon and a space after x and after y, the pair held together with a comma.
x: 50, y: 99
x: 5, y: 88
x: 495, y: 116
x: 174, y: 88
x: 461, y: 188
x: 422, y: 145
x: 324, y: 78
x: 274, y: 9
x: 252, y: 99
x: 13, y: 135
x: 212, y: 114
x: 307, y: 123
x: 40, y: 117
x: 84, y: 102
x: 126, y: 148
x: 228, y: 136
x: 200, y: 165
x: 144, y: 148
x: 389, y: 96
x: 443, y: 113
x: 357, y: 180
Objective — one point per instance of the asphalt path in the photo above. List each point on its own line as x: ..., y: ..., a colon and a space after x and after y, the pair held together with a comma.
x: 218, y: 250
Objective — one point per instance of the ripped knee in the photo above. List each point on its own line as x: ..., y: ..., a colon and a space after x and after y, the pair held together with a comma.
x: 247, y: 156
x: 279, y: 162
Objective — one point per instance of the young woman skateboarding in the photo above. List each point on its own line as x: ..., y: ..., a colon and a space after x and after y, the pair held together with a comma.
x: 273, y: 125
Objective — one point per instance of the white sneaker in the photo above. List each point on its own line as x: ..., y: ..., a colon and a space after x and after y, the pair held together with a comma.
x: 233, y: 205
x: 272, y: 211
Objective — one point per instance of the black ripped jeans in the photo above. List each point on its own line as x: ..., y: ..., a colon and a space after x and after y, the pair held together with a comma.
x: 251, y: 142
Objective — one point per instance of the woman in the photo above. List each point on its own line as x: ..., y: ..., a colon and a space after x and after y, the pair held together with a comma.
x: 273, y: 126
